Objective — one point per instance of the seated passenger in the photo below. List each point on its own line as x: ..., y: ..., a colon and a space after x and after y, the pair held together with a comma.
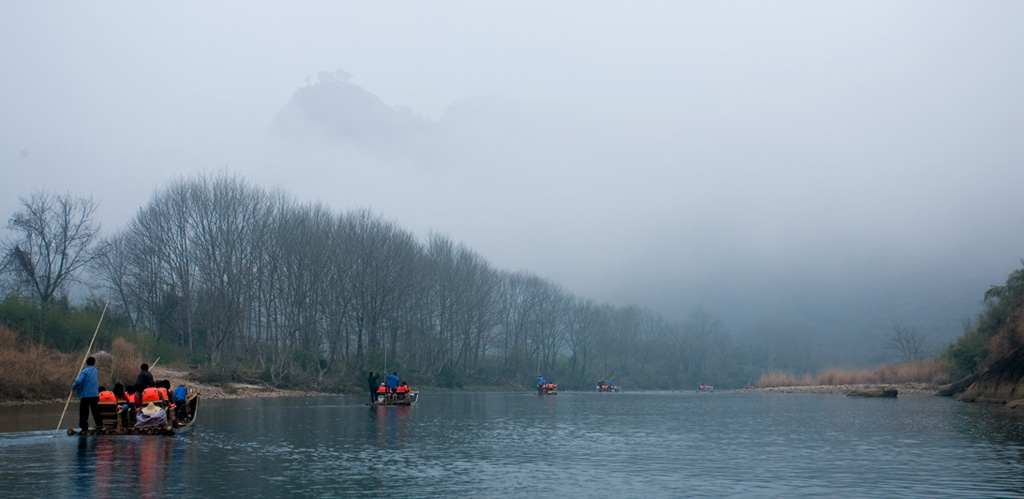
x: 180, y: 394
x: 128, y: 407
x: 151, y: 415
x: 107, y: 396
x: 148, y: 395
x: 162, y: 388
x: 180, y: 397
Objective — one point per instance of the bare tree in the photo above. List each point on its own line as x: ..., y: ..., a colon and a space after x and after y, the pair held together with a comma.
x: 53, y: 240
x: 111, y: 267
x: 906, y: 343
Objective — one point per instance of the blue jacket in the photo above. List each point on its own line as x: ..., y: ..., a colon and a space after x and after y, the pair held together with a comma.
x: 540, y: 381
x: 87, y: 384
x: 392, y: 381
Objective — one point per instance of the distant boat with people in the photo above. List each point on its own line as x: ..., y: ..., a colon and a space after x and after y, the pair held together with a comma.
x: 397, y: 398
x: 607, y: 386
x: 705, y: 389
x: 398, y: 394
x: 545, y: 387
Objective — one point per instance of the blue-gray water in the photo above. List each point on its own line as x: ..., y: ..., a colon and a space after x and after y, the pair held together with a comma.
x: 523, y: 445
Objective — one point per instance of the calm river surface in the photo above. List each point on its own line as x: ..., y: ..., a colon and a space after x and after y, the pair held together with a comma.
x: 657, y: 444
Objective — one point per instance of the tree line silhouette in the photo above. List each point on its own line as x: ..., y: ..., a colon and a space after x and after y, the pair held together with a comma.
x: 245, y: 278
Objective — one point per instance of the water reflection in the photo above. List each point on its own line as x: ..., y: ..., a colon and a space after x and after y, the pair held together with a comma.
x: 572, y: 444
x: 392, y: 423
x: 117, y: 466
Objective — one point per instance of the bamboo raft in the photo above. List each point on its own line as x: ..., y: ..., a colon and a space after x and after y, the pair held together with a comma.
x: 114, y: 420
x: 396, y: 398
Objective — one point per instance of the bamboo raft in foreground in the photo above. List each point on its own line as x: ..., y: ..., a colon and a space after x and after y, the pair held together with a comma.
x: 114, y: 420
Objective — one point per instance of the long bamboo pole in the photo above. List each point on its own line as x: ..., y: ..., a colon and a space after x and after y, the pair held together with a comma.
x: 87, y: 350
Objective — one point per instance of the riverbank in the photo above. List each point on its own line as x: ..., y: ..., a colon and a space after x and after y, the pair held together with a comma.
x: 208, y: 391
x: 233, y: 390
x: 229, y: 390
x: 902, y: 388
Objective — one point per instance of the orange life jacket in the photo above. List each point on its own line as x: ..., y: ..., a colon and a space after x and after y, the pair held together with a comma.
x: 382, y: 389
x: 107, y: 396
x: 403, y: 389
x: 150, y: 395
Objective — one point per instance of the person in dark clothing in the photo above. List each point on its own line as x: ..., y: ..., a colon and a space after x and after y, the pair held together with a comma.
x: 145, y: 380
x: 87, y: 388
x: 371, y: 381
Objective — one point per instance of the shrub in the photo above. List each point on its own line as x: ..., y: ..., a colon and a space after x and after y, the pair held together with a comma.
x: 126, y: 361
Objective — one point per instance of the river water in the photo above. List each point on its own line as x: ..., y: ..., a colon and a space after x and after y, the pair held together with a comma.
x: 660, y: 444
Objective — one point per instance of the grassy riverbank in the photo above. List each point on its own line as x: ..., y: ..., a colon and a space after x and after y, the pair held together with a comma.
x: 902, y: 388
x: 925, y: 372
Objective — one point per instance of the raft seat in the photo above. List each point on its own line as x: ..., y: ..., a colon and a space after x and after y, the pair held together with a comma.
x: 108, y: 414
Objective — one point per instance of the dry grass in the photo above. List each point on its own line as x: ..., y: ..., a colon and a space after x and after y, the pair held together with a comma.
x: 29, y: 371
x: 32, y: 372
x: 932, y: 372
x: 126, y: 362
x: 835, y: 376
x: 779, y: 378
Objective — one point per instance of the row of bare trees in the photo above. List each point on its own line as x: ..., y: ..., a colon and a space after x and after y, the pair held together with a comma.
x: 248, y: 278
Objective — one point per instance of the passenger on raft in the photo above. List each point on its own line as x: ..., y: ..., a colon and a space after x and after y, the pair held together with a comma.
x: 392, y: 381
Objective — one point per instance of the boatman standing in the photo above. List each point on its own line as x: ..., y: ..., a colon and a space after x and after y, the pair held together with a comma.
x: 540, y: 384
x: 392, y: 381
x: 371, y: 380
x: 87, y: 389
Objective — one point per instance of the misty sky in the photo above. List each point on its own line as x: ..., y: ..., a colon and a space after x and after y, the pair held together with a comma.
x: 835, y: 164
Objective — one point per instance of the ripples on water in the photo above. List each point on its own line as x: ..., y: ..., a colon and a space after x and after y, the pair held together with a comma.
x: 522, y: 445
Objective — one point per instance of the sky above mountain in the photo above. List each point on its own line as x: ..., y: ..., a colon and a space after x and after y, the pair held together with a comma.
x: 841, y: 165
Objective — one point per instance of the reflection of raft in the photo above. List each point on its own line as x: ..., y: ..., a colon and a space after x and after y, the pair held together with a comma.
x: 178, y: 419
x: 408, y: 398
x: 548, y: 389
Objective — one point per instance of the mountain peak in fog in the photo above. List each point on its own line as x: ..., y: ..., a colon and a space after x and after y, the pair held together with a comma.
x: 336, y: 110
